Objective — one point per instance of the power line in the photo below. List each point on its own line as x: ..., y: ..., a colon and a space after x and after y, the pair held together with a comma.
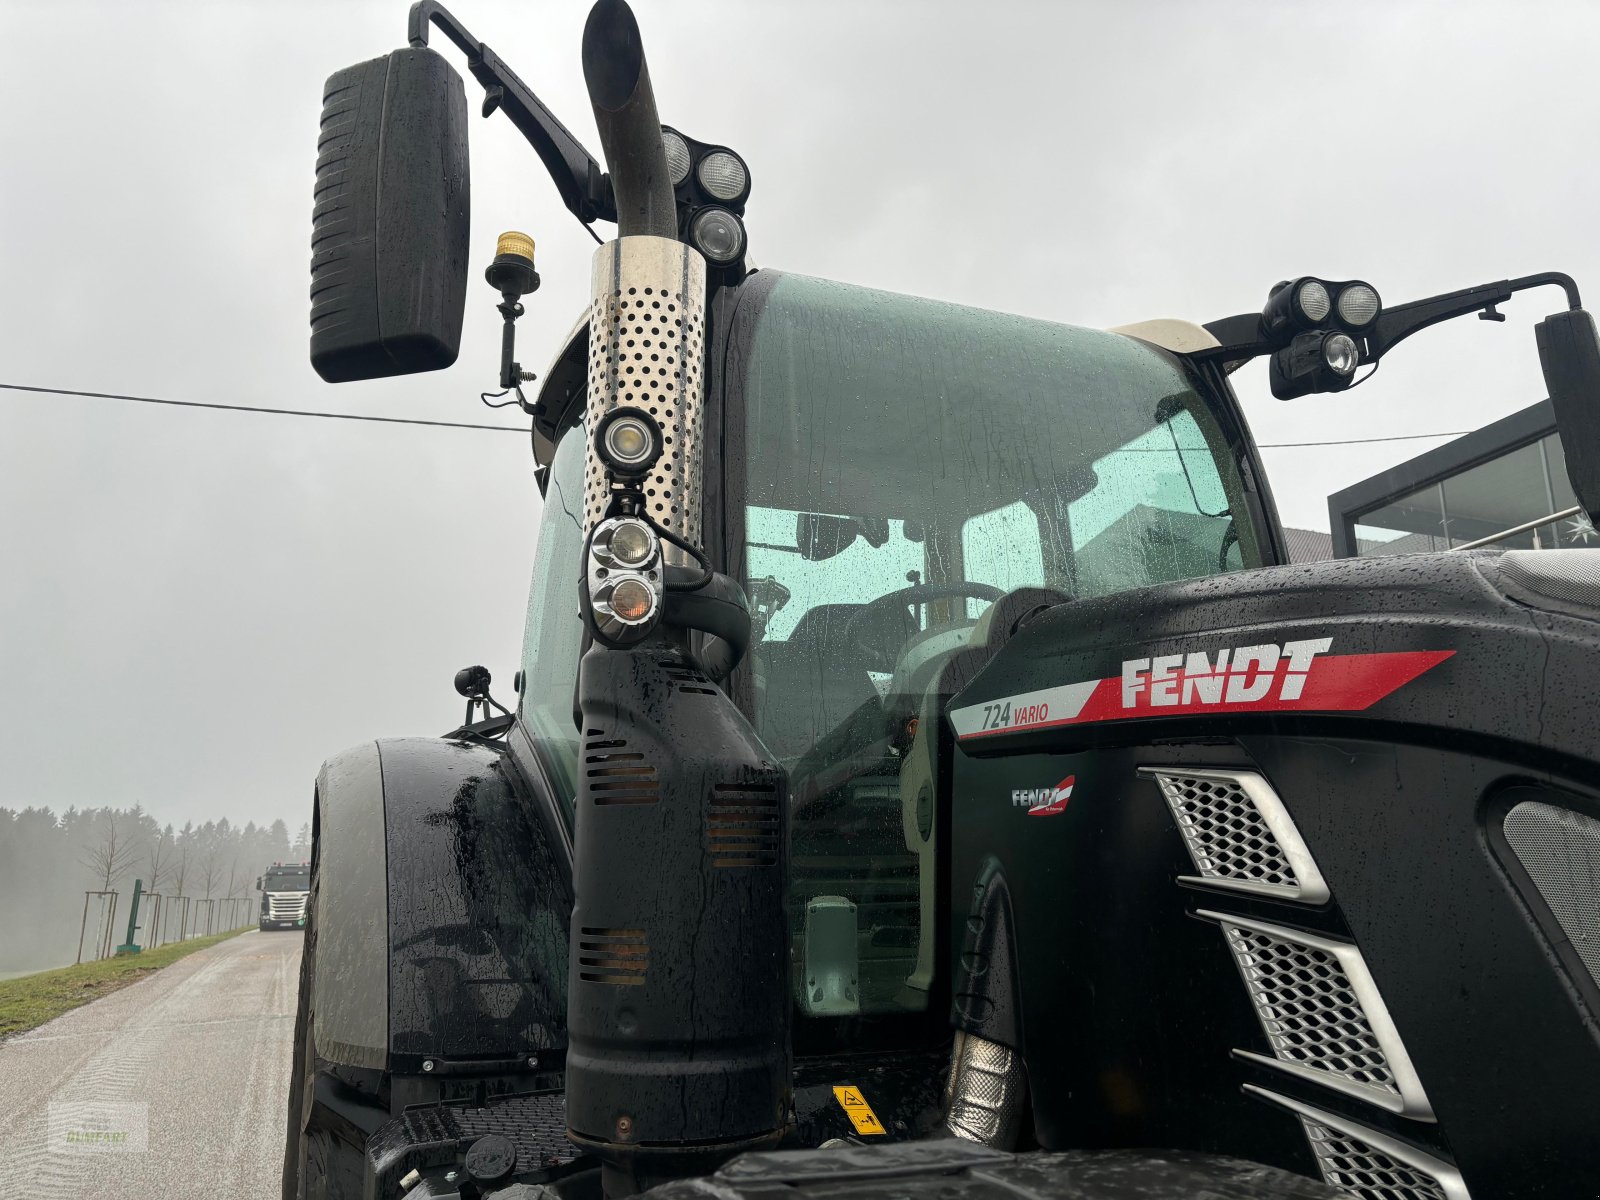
x: 1400, y: 437
x: 276, y: 412
x: 338, y: 416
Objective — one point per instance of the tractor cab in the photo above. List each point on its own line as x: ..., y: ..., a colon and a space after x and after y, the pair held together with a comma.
x: 901, y: 483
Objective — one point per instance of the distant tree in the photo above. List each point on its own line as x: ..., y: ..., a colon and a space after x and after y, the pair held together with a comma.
x: 159, y: 858
x: 208, y: 847
x: 182, y: 844
x: 278, y: 849
x: 301, y: 851
x: 113, y: 850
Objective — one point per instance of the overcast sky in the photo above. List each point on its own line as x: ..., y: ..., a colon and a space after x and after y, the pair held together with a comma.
x: 196, y: 608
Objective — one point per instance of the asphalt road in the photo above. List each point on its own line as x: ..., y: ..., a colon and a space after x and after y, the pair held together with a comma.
x: 170, y: 1089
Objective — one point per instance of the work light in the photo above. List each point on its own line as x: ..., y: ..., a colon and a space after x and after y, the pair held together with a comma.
x: 678, y: 156
x: 723, y: 174
x: 717, y: 234
x: 1315, y: 361
x: 1358, y: 305
x: 1340, y: 353
x: 1311, y: 297
x: 625, y: 542
x: 629, y: 442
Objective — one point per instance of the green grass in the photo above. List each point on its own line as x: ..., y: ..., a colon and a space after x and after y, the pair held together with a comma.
x: 30, y: 1000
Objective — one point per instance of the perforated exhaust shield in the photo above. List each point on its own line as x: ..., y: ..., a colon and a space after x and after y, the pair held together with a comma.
x: 647, y: 351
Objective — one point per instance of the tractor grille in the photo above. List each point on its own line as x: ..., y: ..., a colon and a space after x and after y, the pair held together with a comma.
x: 1355, y: 1166
x: 1368, y: 1164
x: 286, y: 906
x: 1239, y: 835
x: 1322, y: 1013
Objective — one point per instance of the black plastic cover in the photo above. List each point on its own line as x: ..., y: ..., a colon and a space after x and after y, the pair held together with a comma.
x: 391, y: 218
x: 678, y: 996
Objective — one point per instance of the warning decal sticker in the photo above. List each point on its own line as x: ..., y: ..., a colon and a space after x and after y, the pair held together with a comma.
x: 1292, y: 677
x: 858, y: 1110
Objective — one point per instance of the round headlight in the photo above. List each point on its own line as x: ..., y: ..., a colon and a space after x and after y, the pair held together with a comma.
x: 631, y: 543
x: 1340, y: 353
x: 628, y: 441
x: 718, y: 235
x: 678, y: 159
x: 1313, y: 299
x: 724, y: 175
x: 632, y: 600
x: 1358, y: 305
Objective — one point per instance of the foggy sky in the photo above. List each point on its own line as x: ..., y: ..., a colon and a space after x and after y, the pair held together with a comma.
x: 196, y: 608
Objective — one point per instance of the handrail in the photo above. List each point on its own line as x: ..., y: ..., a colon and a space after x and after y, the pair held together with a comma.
x: 1523, y: 528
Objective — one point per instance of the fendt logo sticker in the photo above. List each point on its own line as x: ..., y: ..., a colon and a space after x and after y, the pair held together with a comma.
x: 1297, y: 676
x: 1044, y: 802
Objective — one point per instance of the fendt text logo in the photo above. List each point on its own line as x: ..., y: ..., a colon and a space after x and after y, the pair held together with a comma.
x: 1237, y: 675
x: 1044, y: 802
x: 1303, y: 675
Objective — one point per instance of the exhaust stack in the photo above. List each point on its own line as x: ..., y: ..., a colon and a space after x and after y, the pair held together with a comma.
x: 630, y: 129
x: 677, y: 1000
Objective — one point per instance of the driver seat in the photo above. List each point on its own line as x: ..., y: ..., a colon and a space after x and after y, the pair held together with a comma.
x: 816, y: 679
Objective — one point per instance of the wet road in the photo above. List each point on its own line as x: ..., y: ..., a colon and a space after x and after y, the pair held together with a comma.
x: 171, y: 1089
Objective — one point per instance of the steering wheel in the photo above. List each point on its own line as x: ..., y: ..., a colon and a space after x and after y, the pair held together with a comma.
x: 874, y: 656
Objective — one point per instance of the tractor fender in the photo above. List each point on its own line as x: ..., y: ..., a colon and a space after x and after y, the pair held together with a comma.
x: 441, y: 912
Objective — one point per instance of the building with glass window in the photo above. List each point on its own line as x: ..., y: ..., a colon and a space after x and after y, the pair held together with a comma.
x: 1507, y: 475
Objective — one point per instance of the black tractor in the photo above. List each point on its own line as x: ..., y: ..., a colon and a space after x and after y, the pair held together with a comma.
x: 927, y: 775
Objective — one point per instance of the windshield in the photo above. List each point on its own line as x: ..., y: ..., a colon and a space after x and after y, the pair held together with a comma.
x: 553, y: 640
x: 286, y: 883
x: 907, y: 463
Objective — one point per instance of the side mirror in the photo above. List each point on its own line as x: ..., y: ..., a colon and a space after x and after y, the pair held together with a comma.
x: 390, y: 222
x: 258, y: 883
x: 1569, y: 352
x: 820, y: 536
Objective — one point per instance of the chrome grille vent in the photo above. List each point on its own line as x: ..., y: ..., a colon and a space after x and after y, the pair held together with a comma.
x: 1368, y: 1164
x: 1238, y: 834
x: 1322, y: 1014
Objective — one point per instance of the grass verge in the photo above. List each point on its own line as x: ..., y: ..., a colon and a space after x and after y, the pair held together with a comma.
x: 30, y: 1000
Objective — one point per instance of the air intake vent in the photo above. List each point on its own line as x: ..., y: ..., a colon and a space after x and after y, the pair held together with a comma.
x: 1560, y: 851
x: 617, y: 775
x: 742, y: 825
x: 617, y: 956
x: 1322, y: 1014
x: 1239, y: 835
x: 690, y: 681
x: 1368, y: 1164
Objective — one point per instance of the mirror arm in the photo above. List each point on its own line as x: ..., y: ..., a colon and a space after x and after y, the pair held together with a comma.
x: 584, y: 188
x: 1400, y: 322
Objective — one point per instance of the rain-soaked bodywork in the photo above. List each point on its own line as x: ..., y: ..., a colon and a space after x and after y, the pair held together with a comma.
x: 927, y: 775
